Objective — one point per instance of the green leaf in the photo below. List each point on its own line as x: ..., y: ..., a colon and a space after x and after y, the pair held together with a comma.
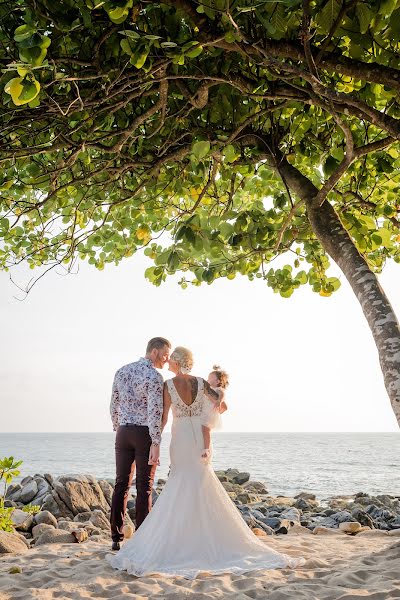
x: 201, y: 149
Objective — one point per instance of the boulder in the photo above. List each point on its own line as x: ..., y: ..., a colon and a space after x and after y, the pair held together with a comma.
x: 14, y: 492
x: 43, y: 489
x: 240, y: 478
x: 21, y: 520
x: 83, y: 517
x: 100, y: 521
x: 291, y: 514
x: 362, y: 517
x: 81, y: 493
x: 320, y: 530
x: 80, y: 535
x: 37, y: 530
x: 11, y: 543
x: 350, y: 527
x: 306, y: 496
x: 297, y: 529
x: 53, y: 503
x: 28, y: 492
x: 26, y: 480
x: 107, y: 490
x: 255, y: 486
x: 55, y: 536
x: 44, y: 516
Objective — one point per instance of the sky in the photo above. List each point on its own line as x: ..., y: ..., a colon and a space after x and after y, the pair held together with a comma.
x: 301, y: 364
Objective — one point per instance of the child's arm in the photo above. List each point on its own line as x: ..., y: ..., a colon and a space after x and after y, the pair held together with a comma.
x: 206, y: 441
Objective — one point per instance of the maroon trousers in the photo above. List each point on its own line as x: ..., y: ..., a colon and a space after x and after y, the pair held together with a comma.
x: 132, y: 445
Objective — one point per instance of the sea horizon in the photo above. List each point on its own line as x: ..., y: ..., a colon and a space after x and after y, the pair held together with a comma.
x: 323, y: 463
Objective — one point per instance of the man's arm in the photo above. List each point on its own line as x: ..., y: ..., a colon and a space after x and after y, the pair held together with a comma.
x: 114, y: 405
x: 155, y: 407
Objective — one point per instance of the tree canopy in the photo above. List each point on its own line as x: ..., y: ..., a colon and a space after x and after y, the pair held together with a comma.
x: 169, y: 125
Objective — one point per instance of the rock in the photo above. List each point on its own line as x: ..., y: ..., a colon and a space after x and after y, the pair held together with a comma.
x: 22, y: 520
x: 28, y: 492
x: 291, y: 514
x: 161, y: 481
x: 107, y: 490
x: 297, y: 529
x: 83, y: 517
x: 221, y: 476
x: 10, y: 504
x: 320, y: 530
x: 350, y: 527
x: 394, y: 533
x: 302, y: 504
x: 305, y: 496
x: 49, y: 478
x: 11, y: 543
x: 256, y: 487
x: 55, y: 536
x: 100, y: 520
x: 240, y: 478
x: 362, y: 517
x: 80, y: 535
x: 14, y: 492
x: 54, y: 504
x: 37, y: 530
x: 131, y: 503
x: 230, y: 473
x: 43, y: 489
x: 81, y: 493
x: 44, y: 516
x: 71, y: 526
x: 248, y: 498
x: 258, y: 532
x: 26, y: 480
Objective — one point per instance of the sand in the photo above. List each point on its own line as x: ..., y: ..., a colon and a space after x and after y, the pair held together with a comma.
x: 337, y: 567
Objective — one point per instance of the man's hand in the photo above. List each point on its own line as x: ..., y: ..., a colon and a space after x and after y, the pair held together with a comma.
x: 154, y: 455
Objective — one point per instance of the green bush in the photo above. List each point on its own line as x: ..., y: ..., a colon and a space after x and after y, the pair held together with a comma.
x: 8, y: 470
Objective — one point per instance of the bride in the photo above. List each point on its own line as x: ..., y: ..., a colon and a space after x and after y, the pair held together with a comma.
x: 194, y: 525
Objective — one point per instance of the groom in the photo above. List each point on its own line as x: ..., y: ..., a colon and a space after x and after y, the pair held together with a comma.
x: 136, y: 411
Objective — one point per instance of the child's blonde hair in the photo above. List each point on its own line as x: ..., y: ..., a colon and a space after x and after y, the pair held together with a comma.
x: 222, y: 376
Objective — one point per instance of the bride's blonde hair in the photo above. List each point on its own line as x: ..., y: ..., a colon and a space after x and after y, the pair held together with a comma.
x: 184, y: 358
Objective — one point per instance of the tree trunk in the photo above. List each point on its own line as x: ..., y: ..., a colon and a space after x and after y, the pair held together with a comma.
x: 374, y: 303
x: 376, y: 307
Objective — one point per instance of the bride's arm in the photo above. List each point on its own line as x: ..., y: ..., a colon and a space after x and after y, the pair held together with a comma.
x: 166, y: 405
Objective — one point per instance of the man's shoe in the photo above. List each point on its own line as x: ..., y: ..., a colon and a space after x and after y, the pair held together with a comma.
x: 115, y: 546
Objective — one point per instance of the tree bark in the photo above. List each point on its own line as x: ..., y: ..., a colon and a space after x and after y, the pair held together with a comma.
x: 338, y: 244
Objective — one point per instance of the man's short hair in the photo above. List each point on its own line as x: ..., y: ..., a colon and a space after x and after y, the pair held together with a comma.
x: 158, y: 343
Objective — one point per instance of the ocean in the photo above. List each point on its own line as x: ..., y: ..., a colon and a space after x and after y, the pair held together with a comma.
x: 326, y: 464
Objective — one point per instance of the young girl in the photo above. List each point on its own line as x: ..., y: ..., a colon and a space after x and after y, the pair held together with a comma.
x: 219, y: 381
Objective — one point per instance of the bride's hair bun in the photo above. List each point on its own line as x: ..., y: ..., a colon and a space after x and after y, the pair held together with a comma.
x: 184, y: 358
x: 222, y: 376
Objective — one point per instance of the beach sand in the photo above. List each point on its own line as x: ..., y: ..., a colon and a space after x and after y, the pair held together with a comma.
x: 337, y: 567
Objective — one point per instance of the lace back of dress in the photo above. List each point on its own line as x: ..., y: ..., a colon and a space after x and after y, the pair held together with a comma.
x: 179, y: 408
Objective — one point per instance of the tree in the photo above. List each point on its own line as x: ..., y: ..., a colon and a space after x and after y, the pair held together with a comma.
x: 218, y: 135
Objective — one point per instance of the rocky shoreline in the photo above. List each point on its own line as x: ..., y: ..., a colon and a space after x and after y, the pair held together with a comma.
x: 76, y: 508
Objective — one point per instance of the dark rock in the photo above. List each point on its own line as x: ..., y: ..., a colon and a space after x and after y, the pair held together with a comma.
x: 241, y: 478
x: 29, y: 491
x: 362, y: 517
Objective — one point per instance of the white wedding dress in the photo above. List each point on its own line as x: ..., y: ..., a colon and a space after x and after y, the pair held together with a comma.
x: 194, y: 526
